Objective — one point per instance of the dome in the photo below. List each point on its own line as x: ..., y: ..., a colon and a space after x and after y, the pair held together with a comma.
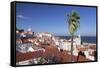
x: 29, y: 29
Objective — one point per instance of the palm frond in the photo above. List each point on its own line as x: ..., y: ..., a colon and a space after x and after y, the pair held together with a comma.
x: 73, y: 21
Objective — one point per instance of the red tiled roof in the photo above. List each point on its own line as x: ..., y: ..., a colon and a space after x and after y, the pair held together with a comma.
x: 27, y: 56
x: 49, y: 50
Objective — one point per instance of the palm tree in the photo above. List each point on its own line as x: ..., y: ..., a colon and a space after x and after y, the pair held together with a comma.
x: 73, y: 20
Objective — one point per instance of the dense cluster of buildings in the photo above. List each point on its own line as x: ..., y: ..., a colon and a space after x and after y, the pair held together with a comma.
x: 30, y: 43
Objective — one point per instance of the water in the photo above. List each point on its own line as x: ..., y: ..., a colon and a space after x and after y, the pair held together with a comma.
x: 88, y: 39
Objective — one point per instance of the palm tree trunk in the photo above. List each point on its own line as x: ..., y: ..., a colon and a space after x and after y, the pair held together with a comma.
x: 72, y: 35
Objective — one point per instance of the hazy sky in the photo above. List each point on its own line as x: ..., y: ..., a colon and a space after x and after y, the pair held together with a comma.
x: 52, y: 18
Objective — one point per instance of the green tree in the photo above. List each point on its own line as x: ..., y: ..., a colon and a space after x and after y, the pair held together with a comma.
x: 20, y: 30
x: 73, y: 21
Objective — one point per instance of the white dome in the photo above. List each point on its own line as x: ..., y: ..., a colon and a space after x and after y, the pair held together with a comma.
x: 29, y: 29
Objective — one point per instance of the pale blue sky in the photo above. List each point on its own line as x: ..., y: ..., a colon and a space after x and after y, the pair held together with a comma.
x: 52, y: 18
